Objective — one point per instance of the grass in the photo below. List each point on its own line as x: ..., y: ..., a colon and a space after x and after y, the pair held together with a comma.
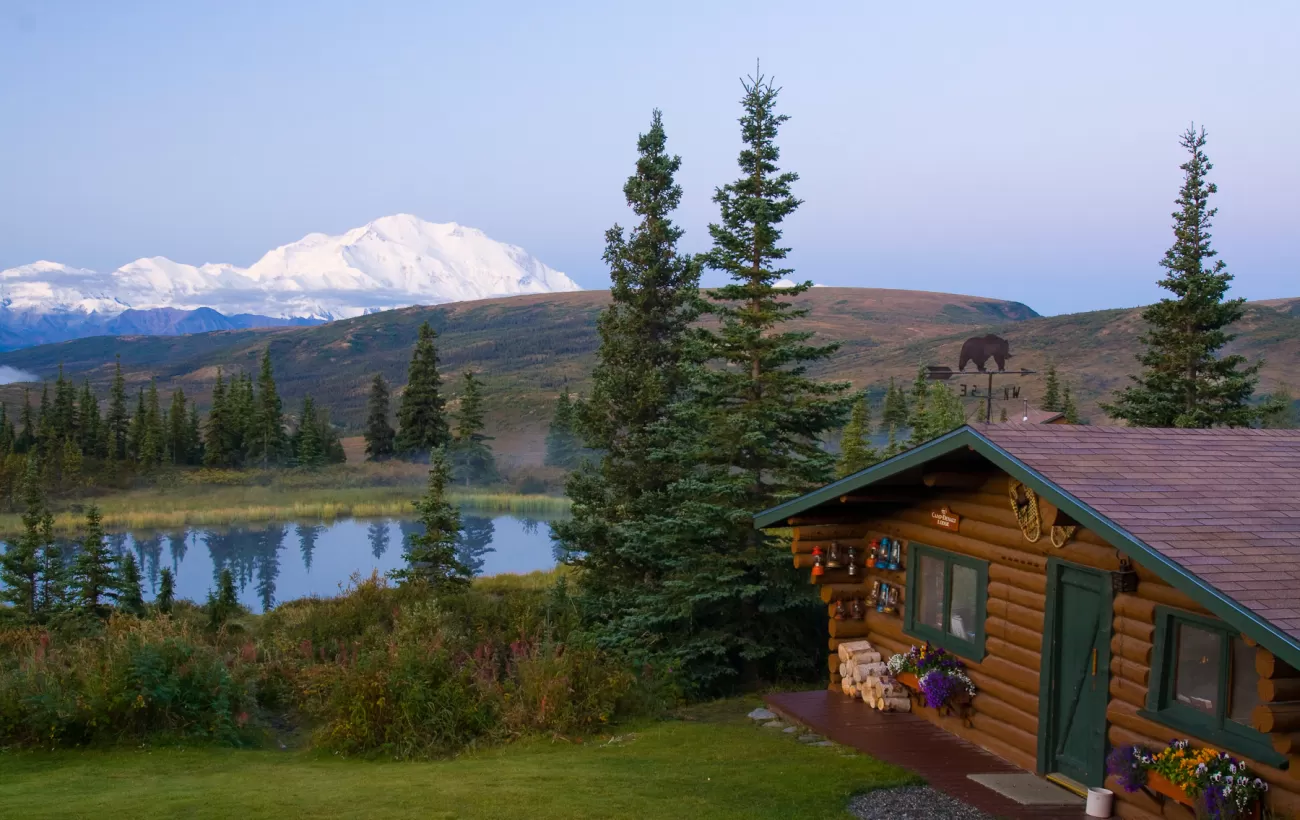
x: 191, y: 504
x: 711, y: 762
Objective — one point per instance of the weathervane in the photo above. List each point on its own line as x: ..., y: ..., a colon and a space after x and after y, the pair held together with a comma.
x: 979, y: 349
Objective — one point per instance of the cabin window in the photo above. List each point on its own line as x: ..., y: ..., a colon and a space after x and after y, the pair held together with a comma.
x: 1203, y: 682
x: 946, y: 597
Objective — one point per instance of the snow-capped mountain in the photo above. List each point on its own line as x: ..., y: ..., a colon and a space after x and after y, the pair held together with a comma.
x: 392, y: 262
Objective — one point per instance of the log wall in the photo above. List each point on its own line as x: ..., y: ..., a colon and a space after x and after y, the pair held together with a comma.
x: 1004, y: 716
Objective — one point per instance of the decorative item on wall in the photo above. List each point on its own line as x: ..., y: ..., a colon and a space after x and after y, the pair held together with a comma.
x: 853, y: 562
x: 896, y: 554
x: 883, y: 600
x: 873, y: 550
x: 1024, y: 503
x: 858, y: 611
x: 818, y: 569
x: 874, y: 596
x: 841, y: 611
x: 833, y: 556
x: 946, y: 519
x: 893, y: 599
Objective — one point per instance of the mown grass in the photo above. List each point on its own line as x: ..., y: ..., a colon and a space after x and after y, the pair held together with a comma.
x: 193, y: 504
x: 709, y: 762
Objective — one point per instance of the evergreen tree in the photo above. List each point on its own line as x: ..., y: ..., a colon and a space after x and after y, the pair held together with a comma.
x: 6, y: 431
x: 1278, y: 410
x: 166, y: 591
x: 93, y: 571
x: 431, y: 556
x: 641, y: 369
x: 856, y: 452
x: 139, y: 429
x: 224, y: 604
x: 472, y: 458
x: 379, y: 433
x: 20, y: 566
x: 27, y: 435
x: 117, y: 421
x: 177, y: 429
x: 88, y: 416
x: 267, y: 441
x: 44, y: 420
x: 943, y: 412
x: 1068, y: 407
x: 917, y: 412
x: 893, y: 447
x: 1051, y: 391
x: 153, y: 438
x: 63, y: 414
x: 562, y: 447
x: 307, y: 444
x: 731, y: 609
x: 422, y: 425
x: 1185, y: 382
x: 330, y: 444
x: 128, y: 592
x: 894, y: 413
x: 194, y: 437
x: 55, y: 589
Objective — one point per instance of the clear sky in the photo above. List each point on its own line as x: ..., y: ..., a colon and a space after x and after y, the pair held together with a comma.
x: 1019, y: 150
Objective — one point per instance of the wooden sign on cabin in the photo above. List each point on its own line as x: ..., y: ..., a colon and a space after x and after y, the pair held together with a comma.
x: 946, y: 519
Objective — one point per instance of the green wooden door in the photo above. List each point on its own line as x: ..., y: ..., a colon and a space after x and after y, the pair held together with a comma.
x: 1076, y: 673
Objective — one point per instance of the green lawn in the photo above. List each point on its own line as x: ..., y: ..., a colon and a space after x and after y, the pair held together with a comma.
x: 712, y: 763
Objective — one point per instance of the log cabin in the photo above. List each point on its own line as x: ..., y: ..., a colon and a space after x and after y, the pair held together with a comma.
x: 1103, y: 586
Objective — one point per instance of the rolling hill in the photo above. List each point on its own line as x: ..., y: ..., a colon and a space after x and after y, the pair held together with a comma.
x: 528, y: 347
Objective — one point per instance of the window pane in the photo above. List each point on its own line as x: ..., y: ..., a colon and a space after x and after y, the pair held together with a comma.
x: 929, y: 607
x: 1196, y: 673
x: 961, y: 621
x: 1244, y: 696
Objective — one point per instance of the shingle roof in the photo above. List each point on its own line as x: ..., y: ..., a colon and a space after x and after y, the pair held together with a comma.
x: 1223, y: 504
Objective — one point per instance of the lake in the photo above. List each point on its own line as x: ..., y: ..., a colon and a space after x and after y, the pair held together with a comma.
x: 281, y: 561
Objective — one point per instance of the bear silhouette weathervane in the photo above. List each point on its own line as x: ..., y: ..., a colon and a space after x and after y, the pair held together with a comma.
x: 978, y: 350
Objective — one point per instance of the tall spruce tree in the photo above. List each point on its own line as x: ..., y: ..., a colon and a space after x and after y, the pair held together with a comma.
x: 267, y: 442
x: 1186, y: 381
x: 20, y: 565
x: 379, y: 433
x: 216, y: 441
x: 94, y: 573
x: 562, y: 446
x: 732, y: 611
x: 856, y: 451
x: 1278, y: 410
x: 153, y: 439
x: 894, y: 413
x: 472, y: 458
x: 431, y: 556
x: 307, y: 446
x: 166, y: 591
x: 118, y: 419
x: 139, y: 429
x: 1051, y: 391
x: 128, y: 591
x: 91, y: 437
x: 917, y: 412
x: 178, y: 447
x: 194, y: 436
x: 1068, y: 408
x: 422, y: 423
x: 27, y: 434
x: 641, y: 370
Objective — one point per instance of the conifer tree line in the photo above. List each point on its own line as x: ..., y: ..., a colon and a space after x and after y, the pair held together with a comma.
x: 75, y: 440
x: 424, y: 426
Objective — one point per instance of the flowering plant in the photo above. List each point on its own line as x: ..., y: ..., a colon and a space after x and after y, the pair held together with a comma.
x: 1224, y: 785
x: 941, y: 676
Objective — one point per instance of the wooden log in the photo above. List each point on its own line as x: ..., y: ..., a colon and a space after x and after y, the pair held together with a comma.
x: 1127, y: 669
x: 890, y: 646
x: 1274, y: 690
x: 864, y: 670
x: 1140, y: 630
x: 943, y: 539
x: 1000, y: 709
x: 848, y: 629
x: 846, y: 649
x: 1126, y: 806
x: 1013, y: 674
x: 1005, y: 732
x: 830, y: 593
x: 1016, y: 614
x: 1030, y: 579
x: 963, y: 481
x: 802, y: 561
x: 1287, y: 743
x: 833, y: 661
x: 1167, y: 595
x: 1026, y: 702
x: 1128, y: 691
x: 1135, y: 608
x: 841, y: 520
x: 1014, y: 633
x: 830, y: 533
x: 1268, y: 666
x: 1131, y: 648
x: 888, y: 625
x: 1125, y: 715
x: 1145, y: 803
x: 1015, y: 653
x: 1276, y: 717
x: 1028, y: 599
x: 894, y: 704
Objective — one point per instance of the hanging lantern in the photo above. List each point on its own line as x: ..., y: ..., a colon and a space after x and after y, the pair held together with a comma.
x: 853, y: 562
x: 818, y: 569
x: 833, y: 558
x: 841, y: 612
x: 882, y: 560
x: 883, y: 600
x: 896, y: 554
x: 858, y: 610
x: 872, y: 549
x: 892, y: 605
x: 874, y: 595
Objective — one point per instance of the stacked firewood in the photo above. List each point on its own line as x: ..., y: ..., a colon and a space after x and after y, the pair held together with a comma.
x: 864, y: 674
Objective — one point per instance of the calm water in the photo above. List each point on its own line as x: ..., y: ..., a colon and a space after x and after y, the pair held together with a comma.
x: 278, y: 562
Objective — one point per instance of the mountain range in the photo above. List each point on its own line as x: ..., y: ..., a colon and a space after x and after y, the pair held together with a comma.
x: 391, y: 262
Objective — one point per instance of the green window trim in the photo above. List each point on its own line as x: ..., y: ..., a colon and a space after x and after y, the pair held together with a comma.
x: 1216, y: 729
x: 972, y: 650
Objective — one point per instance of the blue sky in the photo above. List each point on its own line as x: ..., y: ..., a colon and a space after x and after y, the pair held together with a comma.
x: 1019, y: 150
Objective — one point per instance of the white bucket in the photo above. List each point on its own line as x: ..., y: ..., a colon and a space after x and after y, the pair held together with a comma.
x: 1100, y: 802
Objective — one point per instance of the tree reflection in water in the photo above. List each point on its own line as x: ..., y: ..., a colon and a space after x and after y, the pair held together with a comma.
x: 377, y: 534
x: 307, y: 535
x: 251, y: 555
x: 474, y: 542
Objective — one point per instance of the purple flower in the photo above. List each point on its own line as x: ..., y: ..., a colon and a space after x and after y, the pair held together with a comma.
x: 1125, y: 763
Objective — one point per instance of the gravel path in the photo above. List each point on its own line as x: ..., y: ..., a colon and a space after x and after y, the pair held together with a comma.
x: 912, y: 803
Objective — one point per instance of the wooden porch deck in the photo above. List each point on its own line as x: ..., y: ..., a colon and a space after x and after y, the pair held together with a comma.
x: 914, y: 743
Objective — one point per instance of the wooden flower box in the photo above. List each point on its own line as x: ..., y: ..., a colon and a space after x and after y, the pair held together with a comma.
x: 1161, y: 785
x: 959, y: 705
x: 909, y: 680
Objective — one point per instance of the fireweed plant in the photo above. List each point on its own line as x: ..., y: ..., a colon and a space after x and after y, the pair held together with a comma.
x: 941, y: 676
x: 1223, y: 786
